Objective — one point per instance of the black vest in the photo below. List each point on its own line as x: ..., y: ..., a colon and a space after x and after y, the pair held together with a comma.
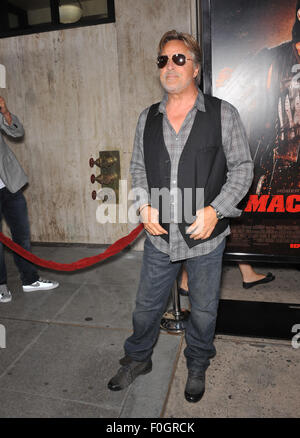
x: 202, y: 162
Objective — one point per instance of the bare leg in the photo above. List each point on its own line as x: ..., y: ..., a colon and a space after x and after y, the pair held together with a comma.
x: 248, y: 274
x: 184, y: 279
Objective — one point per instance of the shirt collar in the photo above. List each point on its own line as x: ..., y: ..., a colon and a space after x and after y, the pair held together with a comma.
x: 199, y: 104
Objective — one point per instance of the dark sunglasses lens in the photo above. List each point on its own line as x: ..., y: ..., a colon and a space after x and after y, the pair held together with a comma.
x: 179, y: 59
x: 162, y: 61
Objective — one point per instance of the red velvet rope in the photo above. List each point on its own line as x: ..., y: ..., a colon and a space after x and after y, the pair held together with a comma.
x: 113, y: 249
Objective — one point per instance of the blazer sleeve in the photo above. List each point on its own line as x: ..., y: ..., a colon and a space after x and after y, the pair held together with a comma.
x: 15, y: 129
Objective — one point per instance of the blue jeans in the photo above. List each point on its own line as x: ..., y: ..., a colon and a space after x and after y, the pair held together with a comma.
x: 13, y: 208
x: 157, y: 278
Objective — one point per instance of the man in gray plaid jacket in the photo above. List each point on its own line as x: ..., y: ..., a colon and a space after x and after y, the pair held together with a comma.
x: 14, y: 209
x: 188, y: 141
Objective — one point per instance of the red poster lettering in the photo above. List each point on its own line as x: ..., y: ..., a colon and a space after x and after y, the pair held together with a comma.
x: 273, y: 204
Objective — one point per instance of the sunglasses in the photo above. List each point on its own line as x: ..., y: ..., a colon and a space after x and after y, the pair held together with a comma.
x: 177, y: 58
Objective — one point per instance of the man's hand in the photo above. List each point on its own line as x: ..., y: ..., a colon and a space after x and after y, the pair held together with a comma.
x: 204, y: 224
x: 4, y: 111
x: 3, y: 107
x: 149, y: 216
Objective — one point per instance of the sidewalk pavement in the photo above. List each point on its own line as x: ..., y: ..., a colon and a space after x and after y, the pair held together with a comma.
x: 62, y: 347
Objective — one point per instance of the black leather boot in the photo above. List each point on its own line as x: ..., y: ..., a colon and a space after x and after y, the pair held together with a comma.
x: 128, y: 373
x: 195, y: 386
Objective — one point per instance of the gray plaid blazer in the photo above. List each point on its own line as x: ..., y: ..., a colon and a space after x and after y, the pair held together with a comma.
x: 11, y: 172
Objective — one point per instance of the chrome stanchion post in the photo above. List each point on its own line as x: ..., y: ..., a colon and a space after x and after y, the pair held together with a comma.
x: 174, y: 320
x: 176, y: 300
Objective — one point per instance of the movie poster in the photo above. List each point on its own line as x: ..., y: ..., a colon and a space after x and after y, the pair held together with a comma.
x: 255, y: 65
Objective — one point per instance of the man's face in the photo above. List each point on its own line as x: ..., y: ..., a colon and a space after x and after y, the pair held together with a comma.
x: 298, y: 14
x: 175, y: 78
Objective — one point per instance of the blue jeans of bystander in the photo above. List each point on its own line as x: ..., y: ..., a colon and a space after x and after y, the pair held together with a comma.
x: 13, y: 208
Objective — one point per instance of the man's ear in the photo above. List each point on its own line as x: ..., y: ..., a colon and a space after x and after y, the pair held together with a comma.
x: 196, y: 72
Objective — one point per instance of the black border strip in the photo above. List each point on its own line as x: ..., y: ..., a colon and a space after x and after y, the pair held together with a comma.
x: 55, y: 25
x: 206, y: 45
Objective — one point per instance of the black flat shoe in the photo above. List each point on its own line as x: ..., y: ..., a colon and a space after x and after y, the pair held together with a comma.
x: 269, y: 277
x: 183, y: 292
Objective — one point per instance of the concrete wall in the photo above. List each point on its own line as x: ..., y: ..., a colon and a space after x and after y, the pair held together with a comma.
x: 77, y: 92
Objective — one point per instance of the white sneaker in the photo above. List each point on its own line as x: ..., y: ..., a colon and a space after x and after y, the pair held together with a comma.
x: 41, y: 284
x: 5, y: 295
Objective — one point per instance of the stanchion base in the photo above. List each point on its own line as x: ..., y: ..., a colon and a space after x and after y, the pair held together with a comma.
x: 174, y: 325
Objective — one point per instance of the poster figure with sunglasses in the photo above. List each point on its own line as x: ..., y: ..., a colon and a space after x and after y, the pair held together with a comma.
x: 188, y: 142
x: 256, y: 67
